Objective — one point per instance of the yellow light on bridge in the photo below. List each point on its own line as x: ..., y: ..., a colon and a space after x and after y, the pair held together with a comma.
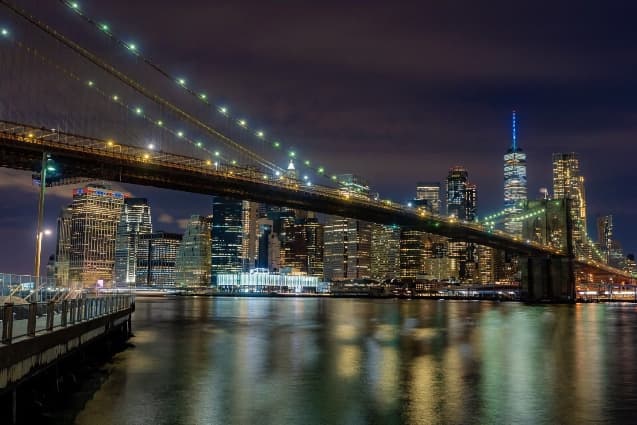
x: 146, y: 156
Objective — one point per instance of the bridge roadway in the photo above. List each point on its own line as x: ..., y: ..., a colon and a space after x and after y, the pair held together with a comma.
x: 21, y: 147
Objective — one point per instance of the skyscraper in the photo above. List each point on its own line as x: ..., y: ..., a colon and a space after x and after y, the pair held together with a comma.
x: 428, y: 196
x: 249, y: 243
x: 346, y: 248
x: 194, y: 258
x: 134, y: 221
x: 385, y: 252
x: 515, y: 191
x: 227, y: 236
x: 156, y: 259
x: 462, y: 204
x: 63, y: 247
x: 457, y: 180
x: 95, y: 214
x: 605, y: 235
x: 412, y: 252
x: 568, y: 184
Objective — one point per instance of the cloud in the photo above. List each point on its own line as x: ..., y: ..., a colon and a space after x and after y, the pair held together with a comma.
x: 21, y: 181
x: 165, y: 218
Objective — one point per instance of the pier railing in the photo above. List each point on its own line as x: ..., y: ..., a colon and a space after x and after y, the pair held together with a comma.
x: 28, y: 319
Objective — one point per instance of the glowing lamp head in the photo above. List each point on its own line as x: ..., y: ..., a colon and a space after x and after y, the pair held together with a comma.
x: 242, y: 123
x: 151, y: 146
x: 4, y: 32
x: 181, y: 81
x: 138, y: 111
x: 223, y: 110
x: 199, y: 144
x: 132, y: 47
x: 47, y: 232
x: 321, y: 170
x: 203, y: 96
x: 260, y: 134
x: 180, y: 134
x: 75, y: 5
x: 217, y: 153
x: 104, y: 27
x: 115, y: 97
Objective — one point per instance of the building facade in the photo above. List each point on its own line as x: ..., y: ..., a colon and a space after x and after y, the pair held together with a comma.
x: 156, y: 259
x: 193, y: 262
x: 515, y: 184
x: 63, y: 247
x: 385, y: 252
x: 135, y: 221
x: 568, y: 183
x: 96, y: 211
x: 346, y: 248
x: 227, y: 236
x: 428, y: 197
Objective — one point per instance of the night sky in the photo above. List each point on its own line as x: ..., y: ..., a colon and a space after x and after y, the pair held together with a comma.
x: 395, y: 92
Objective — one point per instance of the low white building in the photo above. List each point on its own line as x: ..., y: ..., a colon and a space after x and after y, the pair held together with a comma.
x: 261, y: 280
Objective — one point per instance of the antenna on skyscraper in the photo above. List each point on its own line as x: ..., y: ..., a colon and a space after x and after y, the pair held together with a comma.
x: 514, y: 135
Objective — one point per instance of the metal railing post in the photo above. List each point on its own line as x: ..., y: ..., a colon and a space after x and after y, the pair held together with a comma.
x: 65, y: 310
x: 50, y: 315
x: 72, y: 313
x: 31, y: 320
x: 7, y: 323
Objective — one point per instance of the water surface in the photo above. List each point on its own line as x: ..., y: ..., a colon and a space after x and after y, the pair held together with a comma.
x: 344, y: 361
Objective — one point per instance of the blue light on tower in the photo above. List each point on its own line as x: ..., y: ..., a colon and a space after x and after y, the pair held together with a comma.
x: 515, y: 191
x: 514, y: 143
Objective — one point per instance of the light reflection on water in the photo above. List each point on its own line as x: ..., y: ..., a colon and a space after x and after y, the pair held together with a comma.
x: 324, y: 361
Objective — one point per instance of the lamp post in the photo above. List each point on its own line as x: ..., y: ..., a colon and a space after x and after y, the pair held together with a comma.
x: 39, y: 232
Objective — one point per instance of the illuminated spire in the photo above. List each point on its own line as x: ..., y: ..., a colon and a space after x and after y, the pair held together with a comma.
x: 514, y: 135
x: 291, y: 165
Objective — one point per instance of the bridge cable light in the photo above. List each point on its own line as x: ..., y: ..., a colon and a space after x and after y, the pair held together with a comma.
x: 133, y: 47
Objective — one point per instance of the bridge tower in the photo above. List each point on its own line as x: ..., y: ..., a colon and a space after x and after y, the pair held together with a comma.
x: 551, y: 278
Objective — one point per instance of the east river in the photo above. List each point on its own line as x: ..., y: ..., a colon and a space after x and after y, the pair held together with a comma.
x: 354, y: 361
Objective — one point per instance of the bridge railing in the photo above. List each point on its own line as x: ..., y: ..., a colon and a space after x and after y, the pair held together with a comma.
x: 54, y: 138
x: 20, y: 320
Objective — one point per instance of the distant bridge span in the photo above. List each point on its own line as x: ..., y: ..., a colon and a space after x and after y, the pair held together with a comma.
x: 22, y: 145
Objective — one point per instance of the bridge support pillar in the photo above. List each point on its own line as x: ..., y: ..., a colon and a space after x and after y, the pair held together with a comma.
x: 547, y: 279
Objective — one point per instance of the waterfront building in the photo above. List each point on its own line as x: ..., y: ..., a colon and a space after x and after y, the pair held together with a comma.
x: 346, y: 248
x: 385, y: 252
x: 227, y: 236
x: 63, y: 247
x: 428, y: 197
x: 193, y: 262
x: 135, y: 220
x: 568, y: 183
x: 262, y: 280
x: 515, y: 183
x: 156, y: 259
x: 95, y: 214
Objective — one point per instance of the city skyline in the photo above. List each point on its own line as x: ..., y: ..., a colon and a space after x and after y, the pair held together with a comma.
x: 436, y: 119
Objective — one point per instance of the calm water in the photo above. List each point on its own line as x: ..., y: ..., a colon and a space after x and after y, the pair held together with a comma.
x: 341, y: 361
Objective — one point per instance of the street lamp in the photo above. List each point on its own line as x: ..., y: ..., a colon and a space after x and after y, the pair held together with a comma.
x: 40, y: 235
